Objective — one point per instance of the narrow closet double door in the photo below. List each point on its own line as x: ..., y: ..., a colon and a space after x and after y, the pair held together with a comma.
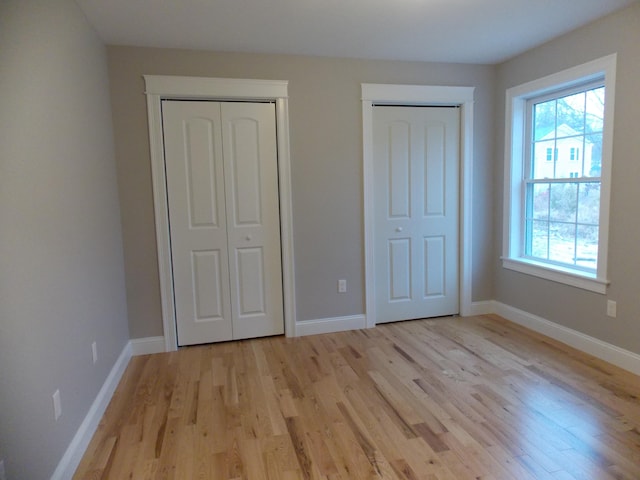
x: 222, y: 188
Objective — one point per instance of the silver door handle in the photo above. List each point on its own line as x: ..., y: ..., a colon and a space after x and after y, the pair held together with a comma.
x: 399, y: 229
x: 248, y: 238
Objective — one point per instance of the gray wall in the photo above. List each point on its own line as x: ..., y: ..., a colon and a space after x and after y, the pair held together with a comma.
x: 61, y: 261
x: 568, y: 306
x: 326, y: 163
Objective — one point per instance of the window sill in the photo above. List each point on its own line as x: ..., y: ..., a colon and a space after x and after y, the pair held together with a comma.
x: 581, y: 280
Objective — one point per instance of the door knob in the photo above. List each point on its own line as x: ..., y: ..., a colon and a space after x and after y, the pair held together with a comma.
x: 399, y: 229
x: 248, y: 238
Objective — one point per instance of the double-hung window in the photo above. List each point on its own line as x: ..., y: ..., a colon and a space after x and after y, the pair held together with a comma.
x: 557, y: 175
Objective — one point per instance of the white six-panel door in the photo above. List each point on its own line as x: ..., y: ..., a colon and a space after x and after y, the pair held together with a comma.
x: 416, y: 165
x: 221, y: 168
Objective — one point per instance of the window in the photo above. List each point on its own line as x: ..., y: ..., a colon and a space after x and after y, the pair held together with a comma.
x: 558, y: 163
x: 575, y: 152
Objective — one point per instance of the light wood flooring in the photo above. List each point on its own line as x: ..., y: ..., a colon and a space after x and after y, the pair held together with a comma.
x: 451, y: 398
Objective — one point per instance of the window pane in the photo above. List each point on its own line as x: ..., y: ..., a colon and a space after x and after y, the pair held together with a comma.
x: 538, y: 239
x: 589, y: 203
x: 544, y: 120
x: 595, y: 109
x: 563, y: 199
x: 562, y: 240
x: 570, y: 118
x: 593, y: 155
x: 542, y: 155
x: 587, y: 247
x: 540, y: 201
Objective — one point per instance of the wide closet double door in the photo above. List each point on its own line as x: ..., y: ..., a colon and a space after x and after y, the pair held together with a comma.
x: 222, y: 189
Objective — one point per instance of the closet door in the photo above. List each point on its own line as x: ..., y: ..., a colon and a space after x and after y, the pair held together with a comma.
x: 416, y: 169
x: 253, y: 218
x: 221, y: 168
x: 197, y: 221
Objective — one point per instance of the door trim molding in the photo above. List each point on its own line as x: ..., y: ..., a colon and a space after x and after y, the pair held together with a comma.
x: 161, y: 87
x: 414, y: 95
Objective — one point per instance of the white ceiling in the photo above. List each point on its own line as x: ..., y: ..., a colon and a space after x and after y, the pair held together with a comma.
x: 467, y: 31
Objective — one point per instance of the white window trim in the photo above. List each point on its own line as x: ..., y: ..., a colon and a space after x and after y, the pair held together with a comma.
x: 515, y: 120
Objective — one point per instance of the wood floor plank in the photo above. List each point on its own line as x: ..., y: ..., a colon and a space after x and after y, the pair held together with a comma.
x: 439, y: 399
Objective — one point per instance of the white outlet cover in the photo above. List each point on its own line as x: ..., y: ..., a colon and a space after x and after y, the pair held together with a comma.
x: 94, y: 351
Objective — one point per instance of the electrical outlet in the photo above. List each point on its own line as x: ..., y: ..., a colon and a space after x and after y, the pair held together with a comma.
x: 3, y: 474
x: 94, y: 351
x: 342, y: 286
x: 57, y: 405
x: 612, y: 308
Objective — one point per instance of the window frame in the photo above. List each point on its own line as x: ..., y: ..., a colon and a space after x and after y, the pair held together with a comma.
x: 513, y: 254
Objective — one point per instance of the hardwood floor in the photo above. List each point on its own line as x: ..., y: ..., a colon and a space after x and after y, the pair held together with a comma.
x: 451, y: 398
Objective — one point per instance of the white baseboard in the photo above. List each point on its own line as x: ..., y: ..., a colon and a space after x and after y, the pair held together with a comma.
x: 482, y: 308
x: 330, y: 325
x: 605, y: 351
x: 148, y: 345
x: 72, y: 456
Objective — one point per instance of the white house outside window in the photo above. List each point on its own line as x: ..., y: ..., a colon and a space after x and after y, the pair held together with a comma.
x: 557, y: 175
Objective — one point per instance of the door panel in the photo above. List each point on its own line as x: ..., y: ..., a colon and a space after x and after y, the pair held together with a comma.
x: 242, y: 152
x: 434, y: 184
x: 201, y: 176
x: 434, y: 271
x: 400, y: 269
x: 399, y: 168
x: 251, y: 288
x: 197, y: 219
x: 253, y: 228
x: 207, y: 284
x: 415, y: 171
x: 222, y: 188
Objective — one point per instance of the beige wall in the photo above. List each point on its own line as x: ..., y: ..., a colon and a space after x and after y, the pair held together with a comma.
x: 326, y: 163
x: 568, y: 306
x: 61, y: 261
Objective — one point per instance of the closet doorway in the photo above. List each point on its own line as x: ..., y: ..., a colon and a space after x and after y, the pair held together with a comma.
x: 250, y: 269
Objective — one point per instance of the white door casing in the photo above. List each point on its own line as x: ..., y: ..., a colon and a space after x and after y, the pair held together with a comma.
x: 387, y: 94
x: 416, y: 211
x: 222, y: 179
x: 160, y: 87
